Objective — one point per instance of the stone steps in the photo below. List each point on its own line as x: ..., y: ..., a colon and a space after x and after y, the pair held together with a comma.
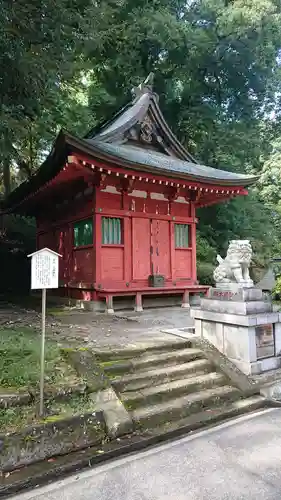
x: 145, y: 361
x: 171, y: 390
x: 140, y: 380
x: 176, y: 409
x: 137, y: 350
x: 174, y: 387
x: 215, y: 414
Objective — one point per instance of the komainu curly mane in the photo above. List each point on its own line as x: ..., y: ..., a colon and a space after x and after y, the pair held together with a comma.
x: 235, y: 266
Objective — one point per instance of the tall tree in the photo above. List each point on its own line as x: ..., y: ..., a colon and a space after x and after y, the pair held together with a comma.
x: 41, y: 51
x: 217, y: 73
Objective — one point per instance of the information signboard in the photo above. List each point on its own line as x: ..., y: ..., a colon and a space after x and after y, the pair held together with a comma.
x: 44, y: 275
x: 44, y: 269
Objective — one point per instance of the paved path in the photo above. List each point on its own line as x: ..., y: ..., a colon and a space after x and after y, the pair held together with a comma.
x: 101, y: 330
x: 126, y: 328
x: 237, y: 460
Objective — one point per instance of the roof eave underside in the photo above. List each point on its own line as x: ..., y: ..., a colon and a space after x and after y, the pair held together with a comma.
x: 66, y: 144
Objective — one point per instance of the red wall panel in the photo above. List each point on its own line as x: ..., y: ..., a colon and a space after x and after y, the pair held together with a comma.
x: 82, y: 265
x: 160, y: 240
x: 141, y: 248
x: 183, y: 263
x: 109, y: 200
x: 180, y: 209
x: 112, y: 264
x: 65, y: 250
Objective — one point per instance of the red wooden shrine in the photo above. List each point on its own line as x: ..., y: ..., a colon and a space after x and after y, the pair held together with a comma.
x: 120, y: 206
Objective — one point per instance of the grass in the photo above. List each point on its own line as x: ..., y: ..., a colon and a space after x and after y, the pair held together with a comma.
x: 20, y: 350
x: 20, y: 360
x: 14, y: 419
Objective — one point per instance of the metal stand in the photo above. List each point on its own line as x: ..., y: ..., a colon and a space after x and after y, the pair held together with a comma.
x: 42, y: 363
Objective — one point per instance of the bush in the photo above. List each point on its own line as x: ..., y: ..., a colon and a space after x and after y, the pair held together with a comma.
x: 276, y: 292
x: 17, y: 240
x: 206, y: 261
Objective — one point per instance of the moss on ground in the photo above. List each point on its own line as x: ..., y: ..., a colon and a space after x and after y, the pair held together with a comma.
x: 116, y: 368
x: 109, y: 364
x: 20, y: 350
x: 14, y: 419
x: 60, y: 309
x: 20, y: 361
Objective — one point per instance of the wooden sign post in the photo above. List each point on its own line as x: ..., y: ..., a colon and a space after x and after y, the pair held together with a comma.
x: 44, y: 274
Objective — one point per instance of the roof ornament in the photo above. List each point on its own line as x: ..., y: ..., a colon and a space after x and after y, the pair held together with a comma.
x: 144, y: 87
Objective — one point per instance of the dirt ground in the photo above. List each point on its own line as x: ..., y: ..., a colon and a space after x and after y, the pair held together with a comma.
x: 100, y: 330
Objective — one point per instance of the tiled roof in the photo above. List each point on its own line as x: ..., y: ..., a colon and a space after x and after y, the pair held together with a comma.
x: 165, y: 163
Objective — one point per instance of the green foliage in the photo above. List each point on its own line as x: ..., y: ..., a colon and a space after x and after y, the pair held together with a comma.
x: 217, y: 74
x: 41, y: 44
x: 217, y: 66
x: 277, y: 289
x: 206, y: 258
x: 20, y: 359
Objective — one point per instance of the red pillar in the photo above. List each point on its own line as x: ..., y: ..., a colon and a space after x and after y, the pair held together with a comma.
x: 193, y: 244
x: 97, y: 247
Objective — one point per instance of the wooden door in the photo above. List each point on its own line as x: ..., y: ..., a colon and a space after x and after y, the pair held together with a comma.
x: 141, y: 248
x: 160, y: 248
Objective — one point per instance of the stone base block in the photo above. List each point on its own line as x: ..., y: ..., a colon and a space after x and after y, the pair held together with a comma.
x: 233, y: 307
x: 265, y: 365
x: 238, y: 337
x: 236, y: 319
x: 235, y: 286
x: 236, y: 293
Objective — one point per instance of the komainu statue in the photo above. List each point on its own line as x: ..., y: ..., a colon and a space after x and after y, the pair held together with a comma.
x: 235, y: 267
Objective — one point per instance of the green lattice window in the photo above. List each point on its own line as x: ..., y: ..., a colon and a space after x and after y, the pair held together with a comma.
x: 111, y: 231
x: 181, y: 235
x: 83, y: 233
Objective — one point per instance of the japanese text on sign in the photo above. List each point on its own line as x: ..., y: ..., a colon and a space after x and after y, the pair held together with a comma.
x: 44, y: 270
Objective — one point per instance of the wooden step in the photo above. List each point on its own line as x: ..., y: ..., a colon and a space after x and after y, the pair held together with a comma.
x: 140, y: 380
x: 171, y: 390
x: 176, y: 409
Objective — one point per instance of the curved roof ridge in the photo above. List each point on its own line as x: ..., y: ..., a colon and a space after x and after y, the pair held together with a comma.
x: 134, y: 112
x: 124, y: 121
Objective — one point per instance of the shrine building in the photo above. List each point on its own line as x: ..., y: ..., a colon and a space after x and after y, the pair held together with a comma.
x: 120, y: 206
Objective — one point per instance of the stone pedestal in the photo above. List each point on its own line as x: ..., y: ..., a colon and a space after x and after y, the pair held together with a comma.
x: 241, y: 324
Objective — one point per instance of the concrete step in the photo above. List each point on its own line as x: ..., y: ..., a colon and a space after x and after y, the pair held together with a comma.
x: 171, y: 390
x: 215, y: 414
x: 139, y: 349
x: 140, y: 380
x: 152, y: 360
x: 176, y: 409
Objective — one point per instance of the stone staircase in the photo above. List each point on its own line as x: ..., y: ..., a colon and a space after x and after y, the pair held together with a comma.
x: 171, y: 384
